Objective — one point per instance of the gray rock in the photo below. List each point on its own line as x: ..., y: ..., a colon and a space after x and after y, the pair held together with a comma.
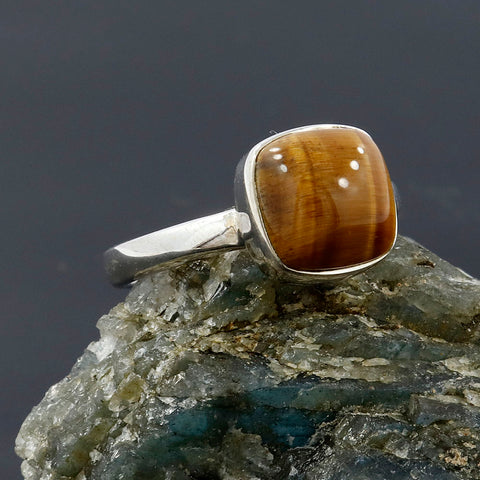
x: 213, y: 370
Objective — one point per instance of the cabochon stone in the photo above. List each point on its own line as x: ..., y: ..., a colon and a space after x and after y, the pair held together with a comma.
x: 325, y: 198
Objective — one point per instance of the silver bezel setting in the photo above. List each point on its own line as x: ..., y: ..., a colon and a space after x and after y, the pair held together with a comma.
x: 256, y: 239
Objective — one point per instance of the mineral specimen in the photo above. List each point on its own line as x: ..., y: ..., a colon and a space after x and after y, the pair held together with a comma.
x: 213, y: 370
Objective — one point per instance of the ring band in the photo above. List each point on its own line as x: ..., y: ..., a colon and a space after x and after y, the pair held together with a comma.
x: 313, y: 203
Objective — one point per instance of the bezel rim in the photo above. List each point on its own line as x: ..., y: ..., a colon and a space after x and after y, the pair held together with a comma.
x: 257, y: 240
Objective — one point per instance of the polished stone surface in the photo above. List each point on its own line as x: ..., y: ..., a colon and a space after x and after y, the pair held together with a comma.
x: 213, y: 370
x: 326, y: 198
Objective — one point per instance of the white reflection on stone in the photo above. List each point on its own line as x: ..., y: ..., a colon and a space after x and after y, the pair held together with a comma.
x: 354, y: 165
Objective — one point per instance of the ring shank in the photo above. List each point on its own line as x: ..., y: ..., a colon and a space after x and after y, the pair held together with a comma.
x: 225, y: 230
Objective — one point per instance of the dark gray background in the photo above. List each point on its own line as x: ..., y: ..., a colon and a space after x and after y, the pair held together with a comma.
x: 121, y: 117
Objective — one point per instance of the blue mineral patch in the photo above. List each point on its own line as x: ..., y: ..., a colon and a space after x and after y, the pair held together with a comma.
x: 283, y: 427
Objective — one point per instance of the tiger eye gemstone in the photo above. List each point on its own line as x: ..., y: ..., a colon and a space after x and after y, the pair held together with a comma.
x: 325, y: 198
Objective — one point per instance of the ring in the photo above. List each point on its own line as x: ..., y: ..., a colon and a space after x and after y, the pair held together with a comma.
x: 313, y: 203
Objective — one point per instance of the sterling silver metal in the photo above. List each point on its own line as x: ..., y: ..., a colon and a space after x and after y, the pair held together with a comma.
x: 236, y: 228
x: 221, y: 231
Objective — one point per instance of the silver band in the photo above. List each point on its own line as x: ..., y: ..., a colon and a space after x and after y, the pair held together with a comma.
x: 225, y: 230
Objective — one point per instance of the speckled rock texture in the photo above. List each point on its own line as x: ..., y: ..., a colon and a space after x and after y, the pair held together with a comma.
x: 213, y: 370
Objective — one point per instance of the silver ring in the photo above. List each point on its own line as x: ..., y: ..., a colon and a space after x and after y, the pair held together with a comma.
x: 313, y: 203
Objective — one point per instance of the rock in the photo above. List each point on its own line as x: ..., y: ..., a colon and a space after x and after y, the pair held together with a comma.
x: 212, y: 370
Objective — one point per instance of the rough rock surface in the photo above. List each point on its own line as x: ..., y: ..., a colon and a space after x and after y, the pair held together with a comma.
x: 213, y: 370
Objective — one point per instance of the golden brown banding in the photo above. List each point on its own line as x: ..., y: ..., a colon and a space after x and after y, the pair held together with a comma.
x: 325, y: 198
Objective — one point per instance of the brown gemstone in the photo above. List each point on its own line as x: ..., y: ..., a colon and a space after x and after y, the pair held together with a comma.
x: 325, y: 198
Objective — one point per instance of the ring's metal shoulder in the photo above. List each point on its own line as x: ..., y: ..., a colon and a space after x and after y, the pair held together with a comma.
x: 124, y: 262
